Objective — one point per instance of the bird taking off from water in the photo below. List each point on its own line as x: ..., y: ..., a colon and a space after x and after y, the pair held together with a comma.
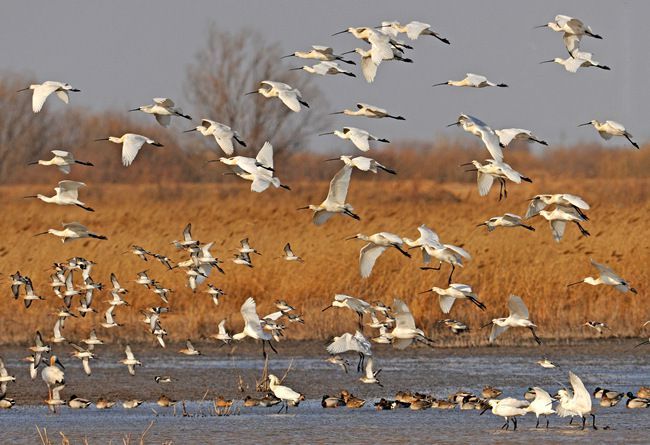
x: 43, y: 90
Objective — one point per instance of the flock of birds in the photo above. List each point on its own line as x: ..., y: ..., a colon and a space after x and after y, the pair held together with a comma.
x: 71, y: 279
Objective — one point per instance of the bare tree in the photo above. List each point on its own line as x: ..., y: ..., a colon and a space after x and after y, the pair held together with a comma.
x: 231, y: 65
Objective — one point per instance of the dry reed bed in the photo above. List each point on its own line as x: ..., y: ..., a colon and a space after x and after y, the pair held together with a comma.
x: 506, y: 261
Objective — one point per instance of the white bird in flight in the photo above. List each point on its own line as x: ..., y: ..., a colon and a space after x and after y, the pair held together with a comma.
x: 130, y: 361
x: 491, y: 170
x: 223, y: 134
x: 405, y: 333
x: 608, y: 277
x: 473, y: 81
x: 253, y: 326
x: 335, y: 201
x: 370, y: 111
x: 559, y: 217
x: 258, y: 170
x: 360, y: 138
x: 455, y: 291
x: 608, y: 129
x: 63, y: 160
x: 162, y: 109
x: 518, y: 317
x: 579, y: 60
x: 364, y: 164
x: 319, y: 52
x: 570, y: 25
x: 413, y: 30
x: 72, y: 231
x: 377, y: 244
x: 507, y: 135
x: 131, y: 145
x: 480, y: 129
x: 507, y: 220
x: 540, y: 202
x: 324, y: 69
x: 357, y: 305
x: 43, y: 90
x: 289, y: 96
x: 67, y: 193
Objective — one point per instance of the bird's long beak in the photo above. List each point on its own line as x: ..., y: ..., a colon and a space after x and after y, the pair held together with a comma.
x: 332, y: 159
x: 340, y: 32
x: 323, y: 134
x: 295, y: 69
x: 465, y: 164
x: 451, y: 125
x: 102, y: 139
x: 425, y: 292
x: 486, y: 325
x: 350, y: 238
x: 573, y: 284
x: 482, y: 412
x: 32, y: 163
x: 58, y: 362
x: 135, y: 109
x: 546, y: 61
x: 23, y: 89
x: 188, y: 131
x: 540, y: 26
x: 327, y: 308
x: 303, y: 208
x: 348, y: 52
x: 30, y: 196
x: 438, y: 84
x: 41, y: 233
x: 586, y: 123
x: 76, y: 90
x: 288, y: 55
x: 336, y: 112
x: 252, y: 92
x: 482, y: 224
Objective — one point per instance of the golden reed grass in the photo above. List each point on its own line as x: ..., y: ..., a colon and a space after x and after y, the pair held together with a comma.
x: 529, y: 264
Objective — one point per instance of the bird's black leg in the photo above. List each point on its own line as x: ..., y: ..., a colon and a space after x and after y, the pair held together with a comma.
x: 537, y: 424
x: 505, y: 189
x: 451, y: 274
x: 514, y: 421
x: 546, y: 421
x: 593, y: 417
x: 281, y: 407
x: 271, y: 346
x: 584, y: 420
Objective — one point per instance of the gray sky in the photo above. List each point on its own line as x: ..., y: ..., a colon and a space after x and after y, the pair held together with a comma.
x: 123, y: 53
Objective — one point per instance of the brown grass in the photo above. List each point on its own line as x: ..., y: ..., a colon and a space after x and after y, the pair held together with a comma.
x: 506, y: 261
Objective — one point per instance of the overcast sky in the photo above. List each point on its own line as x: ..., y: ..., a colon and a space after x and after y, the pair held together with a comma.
x: 123, y: 53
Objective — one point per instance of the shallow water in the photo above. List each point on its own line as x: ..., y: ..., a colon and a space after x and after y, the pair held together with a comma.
x: 439, y: 372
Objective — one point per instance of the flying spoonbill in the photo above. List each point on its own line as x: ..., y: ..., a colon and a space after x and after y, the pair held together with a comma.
x: 364, y: 164
x: 491, y: 170
x: 223, y: 134
x: 413, y: 30
x: 472, y: 81
x: 578, y: 404
x: 404, y: 333
x: 63, y: 160
x: 540, y: 202
x: 570, y: 25
x: 480, y: 129
x: 360, y: 138
x: 377, y: 244
x: 507, y: 220
x: 608, y: 129
x: 163, y: 109
x: 580, y: 60
x: 335, y: 201
x: 455, y: 292
x: 507, y: 135
x: 258, y: 170
x: 289, y: 96
x: 381, y: 43
x: 72, y: 231
x: 43, y: 90
x: 284, y: 393
x: 319, y: 52
x: 518, y: 317
x: 253, y: 326
x: 558, y: 219
x: 325, y: 68
x: 67, y: 193
x: 607, y: 276
x: 349, y: 342
x: 355, y: 304
x: 370, y: 111
x: 131, y: 145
